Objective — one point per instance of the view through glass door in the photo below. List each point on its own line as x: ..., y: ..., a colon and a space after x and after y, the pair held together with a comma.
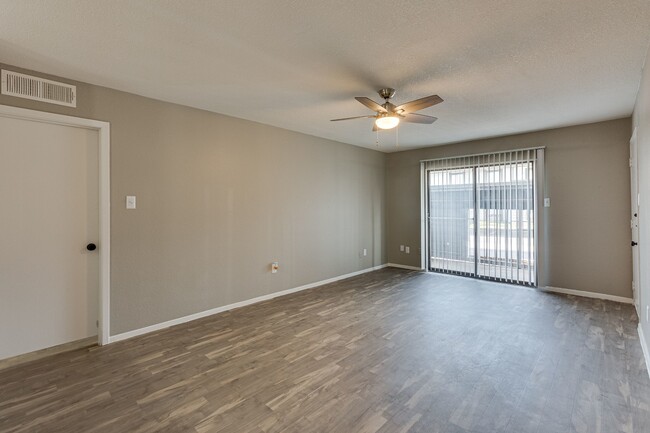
x: 481, y: 216
x: 452, y: 233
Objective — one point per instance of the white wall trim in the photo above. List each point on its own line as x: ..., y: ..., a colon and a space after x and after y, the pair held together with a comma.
x: 644, y: 347
x: 413, y: 268
x: 103, y: 129
x: 217, y: 310
x: 585, y: 294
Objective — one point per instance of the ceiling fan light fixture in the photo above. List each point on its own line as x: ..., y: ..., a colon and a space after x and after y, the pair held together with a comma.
x: 387, y: 122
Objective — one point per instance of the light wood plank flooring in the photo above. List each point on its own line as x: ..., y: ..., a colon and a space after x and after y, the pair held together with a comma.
x: 390, y: 351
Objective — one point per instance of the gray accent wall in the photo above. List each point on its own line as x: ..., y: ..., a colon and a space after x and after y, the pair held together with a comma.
x: 641, y: 121
x: 218, y: 200
x: 587, y: 228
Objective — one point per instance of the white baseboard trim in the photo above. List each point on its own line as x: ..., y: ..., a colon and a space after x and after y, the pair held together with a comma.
x: 49, y: 351
x: 217, y: 310
x: 585, y: 294
x: 644, y: 347
x: 412, y: 268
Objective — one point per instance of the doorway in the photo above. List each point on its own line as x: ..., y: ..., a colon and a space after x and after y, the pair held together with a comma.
x: 481, y: 216
x: 54, y: 230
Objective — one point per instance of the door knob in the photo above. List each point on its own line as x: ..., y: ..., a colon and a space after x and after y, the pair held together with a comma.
x: 91, y: 247
x: 634, y: 244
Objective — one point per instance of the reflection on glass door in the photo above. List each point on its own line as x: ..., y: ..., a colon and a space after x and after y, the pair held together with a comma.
x: 481, y: 219
x: 505, y: 228
x: 451, y: 221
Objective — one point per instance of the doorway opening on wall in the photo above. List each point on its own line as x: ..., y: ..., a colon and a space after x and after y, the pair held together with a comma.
x: 481, y: 216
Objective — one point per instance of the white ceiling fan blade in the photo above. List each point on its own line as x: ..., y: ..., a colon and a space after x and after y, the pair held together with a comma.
x: 371, y: 104
x: 419, y: 118
x: 419, y: 104
x: 350, y: 118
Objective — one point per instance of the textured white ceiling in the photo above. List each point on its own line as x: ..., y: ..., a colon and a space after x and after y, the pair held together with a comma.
x: 502, y: 66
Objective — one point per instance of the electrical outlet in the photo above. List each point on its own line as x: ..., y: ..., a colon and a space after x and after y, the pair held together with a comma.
x: 275, y: 266
x: 547, y: 202
x: 407, y: 250
x: 401, y: 247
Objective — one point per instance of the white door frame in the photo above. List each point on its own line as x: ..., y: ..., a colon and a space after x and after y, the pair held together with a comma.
x: 634, y: 170
x: 103, y: 129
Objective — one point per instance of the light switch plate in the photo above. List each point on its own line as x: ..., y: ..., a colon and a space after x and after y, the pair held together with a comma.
x: 130, y: 202
x: 547, y: 202
x: 408, y: 250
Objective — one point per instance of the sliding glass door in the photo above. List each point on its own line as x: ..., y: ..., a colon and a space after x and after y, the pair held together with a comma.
x: 452, y: 232
x: 481, y: 216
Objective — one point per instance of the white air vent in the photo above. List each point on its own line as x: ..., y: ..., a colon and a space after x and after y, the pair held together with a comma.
x: 38, y: 89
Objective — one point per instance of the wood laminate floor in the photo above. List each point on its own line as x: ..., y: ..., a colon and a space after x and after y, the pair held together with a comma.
x: 389, y: 351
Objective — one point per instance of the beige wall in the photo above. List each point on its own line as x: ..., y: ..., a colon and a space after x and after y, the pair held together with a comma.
x: 641, y: 120
x: 588, y: 223
x: 219, y: 199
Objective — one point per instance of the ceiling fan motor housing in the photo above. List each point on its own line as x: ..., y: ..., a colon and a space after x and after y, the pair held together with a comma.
x: 387, y: 93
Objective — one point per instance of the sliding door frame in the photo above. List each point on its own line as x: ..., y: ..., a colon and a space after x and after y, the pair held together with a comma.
x: 537, y: 178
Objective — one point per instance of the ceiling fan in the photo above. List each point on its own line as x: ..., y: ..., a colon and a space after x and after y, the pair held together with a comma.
x: 389, y: 115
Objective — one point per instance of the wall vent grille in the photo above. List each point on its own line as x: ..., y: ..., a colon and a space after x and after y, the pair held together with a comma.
x: 38, y: 89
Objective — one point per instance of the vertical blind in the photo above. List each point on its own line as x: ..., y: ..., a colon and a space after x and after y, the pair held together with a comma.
x: 481, y: 215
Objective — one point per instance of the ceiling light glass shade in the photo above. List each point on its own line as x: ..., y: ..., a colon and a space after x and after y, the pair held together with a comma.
x: 387, y: 122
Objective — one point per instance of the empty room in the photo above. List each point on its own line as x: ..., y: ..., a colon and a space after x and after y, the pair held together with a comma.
x: 337, y: 216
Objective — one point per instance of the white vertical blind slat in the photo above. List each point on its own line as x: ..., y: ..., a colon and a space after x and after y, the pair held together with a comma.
x: 529, y: 191
x: 519, y: 217
x: 528, y: 216
x: 507, y: 187
x: 444, y: 215
x: 499, y: 211
x: 491, y: 253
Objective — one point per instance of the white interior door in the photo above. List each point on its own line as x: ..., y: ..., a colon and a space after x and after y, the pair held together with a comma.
x: 634, y: 222
x: 49, y: 281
